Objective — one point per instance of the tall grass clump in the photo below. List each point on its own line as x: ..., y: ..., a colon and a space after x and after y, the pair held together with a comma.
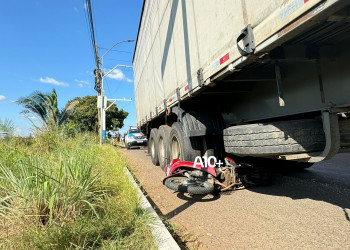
x: 60, y: 192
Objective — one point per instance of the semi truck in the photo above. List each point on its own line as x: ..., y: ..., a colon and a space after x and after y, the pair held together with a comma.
x: 253, y: 79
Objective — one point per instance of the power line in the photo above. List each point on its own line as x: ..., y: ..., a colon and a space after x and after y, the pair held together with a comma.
x: 88, y: 28
x: 109, y: 90
x: 92, y: 32
x: 97, y: 71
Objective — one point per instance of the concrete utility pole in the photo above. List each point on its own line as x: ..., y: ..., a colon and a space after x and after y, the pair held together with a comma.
x: 102, y: 102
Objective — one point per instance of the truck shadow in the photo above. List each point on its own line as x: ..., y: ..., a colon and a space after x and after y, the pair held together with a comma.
x: 296, y: 187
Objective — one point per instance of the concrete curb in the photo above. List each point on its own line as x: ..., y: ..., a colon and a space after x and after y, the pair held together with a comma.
x: 160, y: 232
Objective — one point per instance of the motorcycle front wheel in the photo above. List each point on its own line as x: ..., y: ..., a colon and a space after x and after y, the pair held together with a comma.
x: 184, y: 185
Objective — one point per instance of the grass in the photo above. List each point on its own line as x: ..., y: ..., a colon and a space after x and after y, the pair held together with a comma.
x: 58, y: 192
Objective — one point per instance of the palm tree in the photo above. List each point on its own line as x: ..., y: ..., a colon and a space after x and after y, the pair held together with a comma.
x: 45, y: 109
x: 6, y: 128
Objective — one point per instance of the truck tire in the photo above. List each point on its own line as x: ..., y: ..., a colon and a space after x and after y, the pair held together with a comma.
x: 153, y: 146
x: 182, y: 147
x: 163, y: 145
x: 284, y: 137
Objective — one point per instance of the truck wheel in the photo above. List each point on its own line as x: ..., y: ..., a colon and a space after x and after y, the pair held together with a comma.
x: 182, y: 147
x: 153, y: 146
x: 163, y: 143
x: 284, y: 137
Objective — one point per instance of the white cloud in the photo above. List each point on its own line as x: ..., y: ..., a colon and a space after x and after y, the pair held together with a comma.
x: 117, y: 74
x: 82, y: 83
x: 50, y: 80
x: 76, y: 9
x: 2, y: 98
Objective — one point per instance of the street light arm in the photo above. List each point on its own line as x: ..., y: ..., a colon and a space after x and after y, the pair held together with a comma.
x: 125, y: 66
x: 114, y: 100
x: 126, y: 41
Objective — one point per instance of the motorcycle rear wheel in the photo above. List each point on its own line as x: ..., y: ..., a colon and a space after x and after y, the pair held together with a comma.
x: 183, y: 185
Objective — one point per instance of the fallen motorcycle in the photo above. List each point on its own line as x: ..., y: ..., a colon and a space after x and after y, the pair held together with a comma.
x: 194, y: 178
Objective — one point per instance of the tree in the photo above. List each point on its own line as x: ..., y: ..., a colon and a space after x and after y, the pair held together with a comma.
x: 45, y: 109
x: 84, y: 116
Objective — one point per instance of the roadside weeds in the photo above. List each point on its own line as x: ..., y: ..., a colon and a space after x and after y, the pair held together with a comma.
x: 60, y: 175
x: 184, y: 239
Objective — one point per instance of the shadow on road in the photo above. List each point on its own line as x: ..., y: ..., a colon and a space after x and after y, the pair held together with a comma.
x: 191, y: 200
x: 297, y: 188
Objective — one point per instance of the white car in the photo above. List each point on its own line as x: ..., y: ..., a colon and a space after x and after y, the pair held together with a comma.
x: 134, y: 138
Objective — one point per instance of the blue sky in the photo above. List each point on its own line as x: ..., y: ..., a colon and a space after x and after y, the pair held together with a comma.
x: 46, y: 44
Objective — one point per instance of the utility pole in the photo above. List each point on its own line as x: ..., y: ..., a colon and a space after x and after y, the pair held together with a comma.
x: 97, y: 71
x: 99, y: 76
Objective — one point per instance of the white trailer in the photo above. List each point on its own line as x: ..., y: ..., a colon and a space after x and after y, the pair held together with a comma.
x: 248, y: 78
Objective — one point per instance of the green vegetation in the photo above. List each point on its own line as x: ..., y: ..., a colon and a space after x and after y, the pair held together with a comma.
x: 79, y: 114
x: 84, y: 117
x: 59, y: 192
x: 46, y: 111
x: 6, y: 126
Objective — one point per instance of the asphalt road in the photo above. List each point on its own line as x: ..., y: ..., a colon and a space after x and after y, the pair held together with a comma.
x: 309, y: 209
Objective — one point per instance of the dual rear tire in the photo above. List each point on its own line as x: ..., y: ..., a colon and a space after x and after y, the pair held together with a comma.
x: 168, y: 143
x: 153, y: 145
x: 163, y: 145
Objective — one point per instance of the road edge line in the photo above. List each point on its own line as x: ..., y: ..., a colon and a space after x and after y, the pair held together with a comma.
x: 160, y: 233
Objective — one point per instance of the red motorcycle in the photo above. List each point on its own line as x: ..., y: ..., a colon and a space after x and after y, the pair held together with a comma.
x: 195, y: 178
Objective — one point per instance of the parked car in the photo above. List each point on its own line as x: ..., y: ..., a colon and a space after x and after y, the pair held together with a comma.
x: 134, y: 138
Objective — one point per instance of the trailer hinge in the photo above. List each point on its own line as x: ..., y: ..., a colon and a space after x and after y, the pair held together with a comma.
x: 156, y: 111
x: 178, y: 97
x: 200, y: 77
x: 248, y: 41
